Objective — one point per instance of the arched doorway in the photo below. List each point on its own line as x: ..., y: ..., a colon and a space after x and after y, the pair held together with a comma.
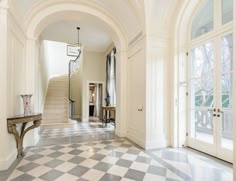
x: 71, y: 10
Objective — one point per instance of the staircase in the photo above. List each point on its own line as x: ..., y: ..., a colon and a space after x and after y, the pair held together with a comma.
x: 56, y: 103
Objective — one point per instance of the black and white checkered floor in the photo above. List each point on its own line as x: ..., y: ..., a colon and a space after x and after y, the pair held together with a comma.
x: 114, y: 160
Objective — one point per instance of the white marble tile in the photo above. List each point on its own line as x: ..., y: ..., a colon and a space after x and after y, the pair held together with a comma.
x: 89, y: 163
x: 130, y: 157
x: 66, y: 166
x: 67, y: 177
x: 110, y: 159
x: 38, y: 171
x: 117, y: 170
x: 65, y: 157
x: 139, y: 166
x: 93, y: 175
x: 43, y: 160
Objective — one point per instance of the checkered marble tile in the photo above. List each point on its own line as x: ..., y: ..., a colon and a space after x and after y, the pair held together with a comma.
x: 78, y: 130
x: 110, y: 160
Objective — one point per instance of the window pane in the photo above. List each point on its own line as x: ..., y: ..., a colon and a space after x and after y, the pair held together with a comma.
x: 202, y: 92
x: 204, y: 20
x: 227, y: 53
x: 227, y: 11
x: 226, y: 91
x: 202, y: 60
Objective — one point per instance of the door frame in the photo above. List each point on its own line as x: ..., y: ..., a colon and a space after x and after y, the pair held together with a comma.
x: 215, y: 149
x: 87, y: 98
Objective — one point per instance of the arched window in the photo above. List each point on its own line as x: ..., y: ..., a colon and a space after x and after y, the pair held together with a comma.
x: 210, y: 79
x: 204, y: 20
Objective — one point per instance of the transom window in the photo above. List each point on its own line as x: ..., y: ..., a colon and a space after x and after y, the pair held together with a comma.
x: 204, y: 20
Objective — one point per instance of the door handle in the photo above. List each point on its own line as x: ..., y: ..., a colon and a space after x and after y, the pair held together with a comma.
x: 141, y: 109
x: 219, y: 111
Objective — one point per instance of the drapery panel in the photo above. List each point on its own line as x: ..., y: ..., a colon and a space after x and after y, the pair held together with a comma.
x: 111, y: 78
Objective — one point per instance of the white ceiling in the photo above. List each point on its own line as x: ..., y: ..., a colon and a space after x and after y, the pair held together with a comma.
x: 123, y: 10
x: 94, y: 34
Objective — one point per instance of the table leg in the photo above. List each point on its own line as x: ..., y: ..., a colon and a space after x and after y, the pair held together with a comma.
x: 20, y: 137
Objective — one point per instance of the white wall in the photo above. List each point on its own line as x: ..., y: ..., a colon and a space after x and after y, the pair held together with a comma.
x: 13, y: 83
x: 53, y: 61
x: 7, y: 151
x: 55, y: 56
x: 94, y: 70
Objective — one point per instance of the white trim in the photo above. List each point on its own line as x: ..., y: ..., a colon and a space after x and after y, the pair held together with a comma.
x: 6, y: 163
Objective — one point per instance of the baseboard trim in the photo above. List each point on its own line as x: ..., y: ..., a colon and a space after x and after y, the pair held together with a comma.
x: 136, y: 140
x: 120, y: 133
x: 5, y: 164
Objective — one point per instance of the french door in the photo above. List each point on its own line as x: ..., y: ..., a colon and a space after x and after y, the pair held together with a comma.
x: 210, y: 123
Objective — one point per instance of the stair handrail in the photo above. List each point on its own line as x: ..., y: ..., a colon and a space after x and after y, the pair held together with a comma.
x: 70, y: 63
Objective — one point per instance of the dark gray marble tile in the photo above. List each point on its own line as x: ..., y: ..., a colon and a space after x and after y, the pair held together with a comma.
x: 133, y: 151
x: 124, y: 163
x: 102, y: 166
x: 143, y: 159
x: 28, y: 167
x: 134, y: 174
x: 97, y: 157
x: 51, y: 175
x: 110, y: 177
x: 75, y: 152
x: 55, y: 154
x: 24, y: 177
x: 76, y: 160
x: 78, y: 171
x: 57, y: 147
x: 33, y: 157
x: 54, y: 163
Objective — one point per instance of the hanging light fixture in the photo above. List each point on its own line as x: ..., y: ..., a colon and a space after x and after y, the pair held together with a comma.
x: 79, y: 44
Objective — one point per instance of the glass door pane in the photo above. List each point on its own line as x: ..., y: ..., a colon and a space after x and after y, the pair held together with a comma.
x: 226, y: 92
x: 202, y: 93
x: 227, y: 11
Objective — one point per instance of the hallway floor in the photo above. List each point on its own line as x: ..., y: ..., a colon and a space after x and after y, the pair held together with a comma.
x: 90, y: 152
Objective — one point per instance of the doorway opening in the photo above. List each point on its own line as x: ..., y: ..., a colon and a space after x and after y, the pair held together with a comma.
x: 95, y: 101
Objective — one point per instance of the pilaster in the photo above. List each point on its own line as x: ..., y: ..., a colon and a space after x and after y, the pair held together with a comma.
x: 157, y: 120
x: 121, y: 91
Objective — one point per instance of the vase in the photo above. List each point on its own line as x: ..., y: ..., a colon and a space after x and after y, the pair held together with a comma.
x: 27, y: 103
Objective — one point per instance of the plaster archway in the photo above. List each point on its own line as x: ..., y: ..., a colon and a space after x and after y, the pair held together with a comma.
x: 42, y: 16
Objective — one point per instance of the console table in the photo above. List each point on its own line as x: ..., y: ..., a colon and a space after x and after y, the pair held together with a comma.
x: 19, y: 135
x: 106, y: 113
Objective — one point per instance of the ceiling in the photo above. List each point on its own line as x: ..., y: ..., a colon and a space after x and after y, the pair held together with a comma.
x: 124, y: 10
x: 94, y: 35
